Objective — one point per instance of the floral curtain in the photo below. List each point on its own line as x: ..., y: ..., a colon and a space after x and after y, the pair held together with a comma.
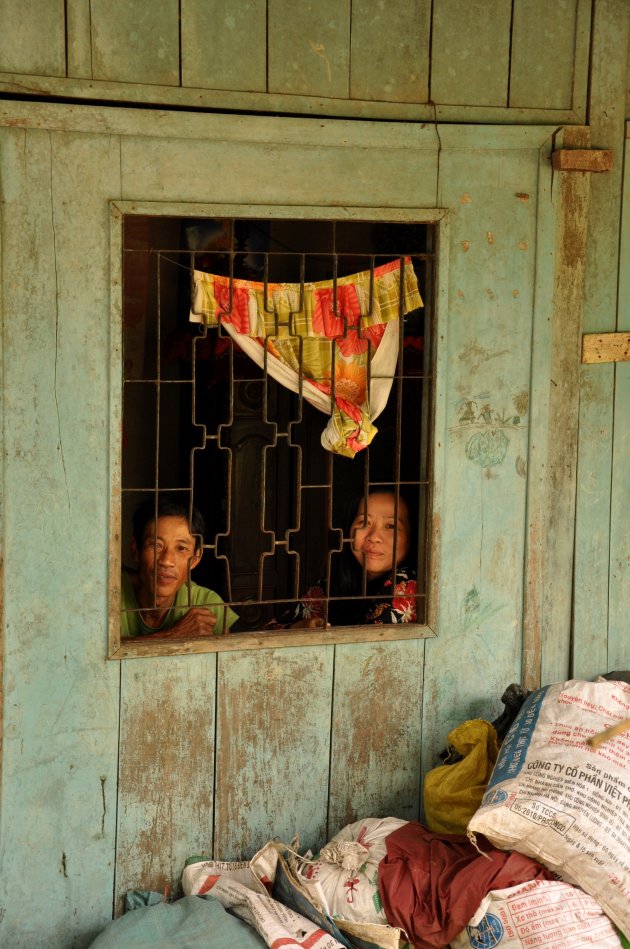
x: 335, y: 341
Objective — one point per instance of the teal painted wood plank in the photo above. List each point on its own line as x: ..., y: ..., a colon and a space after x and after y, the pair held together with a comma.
x: 376, y: 732
x: 259, y: 174
x: 582, y: 62
x: 273, y: 748
x: 389, y: 57
x: 493, y: 233
x: 592, y: 519
x: 279, y: 130
x: 79, y: 39
x: 543, y: 54
x: 165, y: 97
x: 593, y: 503
x: 166, y: 773
x: 470, y: 52
x: 5, y: 141
x: 623, y: 314
x: 33, y: 37
x: 61, y: 696
x: 619, y: 590
x: 135, y: 42
x: 309, y: 47
x: 224, y: 45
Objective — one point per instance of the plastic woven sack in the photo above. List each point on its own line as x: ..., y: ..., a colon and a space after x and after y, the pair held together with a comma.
x: 346, y: 869
x: 191, y: 921
x: 239, y: 890
x: 561, y: 801
x: 545, y: 913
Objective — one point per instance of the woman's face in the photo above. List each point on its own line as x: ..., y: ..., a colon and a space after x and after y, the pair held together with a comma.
x: 373, y: 533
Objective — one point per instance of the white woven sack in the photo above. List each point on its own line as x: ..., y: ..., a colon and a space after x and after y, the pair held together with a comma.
x: 346, y: 869
x: 541, y: 913
x: 199, y: 878
x: 555, y: 798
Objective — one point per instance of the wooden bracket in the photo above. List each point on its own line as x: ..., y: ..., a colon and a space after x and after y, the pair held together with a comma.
x: 606, y: 347
x: 582, y: 159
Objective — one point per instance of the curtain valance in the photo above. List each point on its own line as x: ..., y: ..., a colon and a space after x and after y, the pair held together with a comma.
x: 336, y: 341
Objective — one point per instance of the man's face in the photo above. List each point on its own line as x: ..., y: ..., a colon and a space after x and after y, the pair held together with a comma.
x: 167, y: 554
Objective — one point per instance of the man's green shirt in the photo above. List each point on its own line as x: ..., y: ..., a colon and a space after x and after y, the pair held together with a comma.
x: 131, y: 623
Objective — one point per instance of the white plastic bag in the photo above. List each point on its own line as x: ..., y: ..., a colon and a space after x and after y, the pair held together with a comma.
x: 346, y: 869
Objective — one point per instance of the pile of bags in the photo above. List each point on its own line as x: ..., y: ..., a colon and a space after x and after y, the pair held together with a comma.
x: 527, y: 845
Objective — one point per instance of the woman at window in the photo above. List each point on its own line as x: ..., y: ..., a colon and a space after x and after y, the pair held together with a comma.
x: 382, y: 546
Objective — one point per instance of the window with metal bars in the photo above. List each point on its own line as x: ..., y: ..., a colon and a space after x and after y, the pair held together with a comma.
x: 207, y: 422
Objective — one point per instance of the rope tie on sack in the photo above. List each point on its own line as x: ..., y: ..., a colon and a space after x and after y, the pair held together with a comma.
x: 349, y: 854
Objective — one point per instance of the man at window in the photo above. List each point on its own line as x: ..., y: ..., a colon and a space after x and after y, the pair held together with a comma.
x: 157, y: 597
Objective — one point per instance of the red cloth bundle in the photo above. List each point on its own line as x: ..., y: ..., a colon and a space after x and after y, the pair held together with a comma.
x: 431, y: 884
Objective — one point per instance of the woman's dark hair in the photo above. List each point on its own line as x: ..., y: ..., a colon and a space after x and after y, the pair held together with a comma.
x: 168, y: 505
x: 346, y: 575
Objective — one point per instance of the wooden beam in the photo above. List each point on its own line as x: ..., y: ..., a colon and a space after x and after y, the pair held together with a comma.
x: 552, y: 462
x: 605, y: 347
x: 582, y: 159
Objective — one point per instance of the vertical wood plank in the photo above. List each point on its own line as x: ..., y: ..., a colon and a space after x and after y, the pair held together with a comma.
x: 486, y: 386
x: 376, y: 732
x: 79, y: 39
x: 61, y: 699
x: 273, y: 748
x: 470, y: 52
x: 224, y: 45
x: 166, y: 772
x: 33, y: 37
x: 618, y: 653
x: 543, y: 54
x: 135, y: 42
x: 582, y: 61
x: 611, y: 34
x: 562, y: 432
x: 390, y: 51
x: 535, y: 524
x: 619, y: 592
x: 309, y: 46
x: 3, y: 540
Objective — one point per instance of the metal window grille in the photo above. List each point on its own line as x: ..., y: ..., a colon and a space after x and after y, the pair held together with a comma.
x: 203, y: 420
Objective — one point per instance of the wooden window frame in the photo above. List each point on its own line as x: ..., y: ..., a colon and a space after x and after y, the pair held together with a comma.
x: 120, y: 649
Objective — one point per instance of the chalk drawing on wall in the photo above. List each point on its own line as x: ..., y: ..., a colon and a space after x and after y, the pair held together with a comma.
x: 473, y: 611
x: 486, y: 428
x: 474, y: 356
x: 488, y: 448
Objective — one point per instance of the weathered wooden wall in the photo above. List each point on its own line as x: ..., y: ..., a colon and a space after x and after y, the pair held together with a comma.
x: 602, y: 518
x: 114, y: 772
x: 487, y: 60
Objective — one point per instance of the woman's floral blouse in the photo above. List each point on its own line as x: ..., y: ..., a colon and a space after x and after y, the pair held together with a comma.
x: 384, y: 603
